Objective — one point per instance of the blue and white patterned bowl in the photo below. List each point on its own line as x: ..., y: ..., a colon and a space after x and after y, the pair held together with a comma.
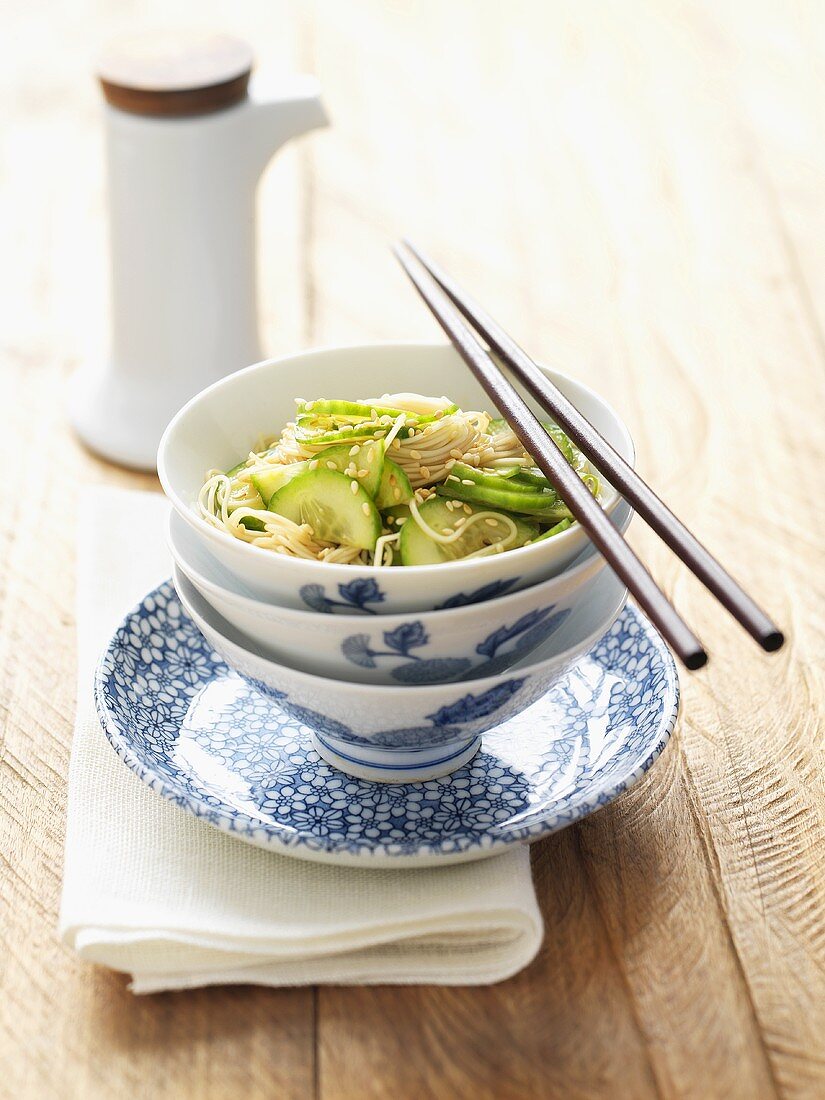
x: 202, y: 737
x: 344, y: 639
x: 405, y: 733
x: 216, y: 429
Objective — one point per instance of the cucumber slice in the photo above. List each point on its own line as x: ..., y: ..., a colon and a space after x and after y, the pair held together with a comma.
x: 236, y: 469
x: 357, y: 411
x: 346, y: 410
x: 498, y: 426
x: 417, y: 548
x: 395, y: 487
x: 270, y: 480
x: 428, y: 418
x: 349, y: 434
x: 326, y: 501
x: 368, y: 457
x: 546, y: 506
x: 319, y: 427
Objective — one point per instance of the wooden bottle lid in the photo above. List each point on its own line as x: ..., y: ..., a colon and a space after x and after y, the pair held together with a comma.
x: 175, y: 74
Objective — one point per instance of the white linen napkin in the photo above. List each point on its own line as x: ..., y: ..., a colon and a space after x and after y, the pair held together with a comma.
x: 153, y: 891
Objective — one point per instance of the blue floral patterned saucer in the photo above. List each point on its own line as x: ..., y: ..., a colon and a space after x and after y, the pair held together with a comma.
x: 199, y: 735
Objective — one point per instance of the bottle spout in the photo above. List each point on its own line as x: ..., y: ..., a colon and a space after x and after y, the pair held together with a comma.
x: 282, y: 110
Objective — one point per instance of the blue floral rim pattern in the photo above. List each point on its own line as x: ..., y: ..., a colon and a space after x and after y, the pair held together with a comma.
x: 205, y: 739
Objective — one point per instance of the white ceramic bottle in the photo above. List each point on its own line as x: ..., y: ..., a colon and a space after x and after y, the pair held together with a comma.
x: 187, y: 138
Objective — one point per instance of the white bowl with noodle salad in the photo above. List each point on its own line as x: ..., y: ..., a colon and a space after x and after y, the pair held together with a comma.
x: 376, y: 479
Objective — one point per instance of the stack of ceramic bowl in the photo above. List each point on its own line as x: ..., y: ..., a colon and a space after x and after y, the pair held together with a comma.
x: 394, y: 673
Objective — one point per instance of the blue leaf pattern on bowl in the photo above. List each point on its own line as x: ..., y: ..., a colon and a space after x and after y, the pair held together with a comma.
x: 487, y: 592
x: 314, y: 597
x: 494, y: 641
x: 471, y: 707
x: 436, y: 670
x: 356, y: 648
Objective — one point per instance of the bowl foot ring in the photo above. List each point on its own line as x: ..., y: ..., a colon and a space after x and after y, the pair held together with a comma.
x: 395, y: 765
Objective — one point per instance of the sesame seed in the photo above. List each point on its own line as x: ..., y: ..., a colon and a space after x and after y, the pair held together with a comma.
x: 363, y: 473
x: 491, y: 522
x: 448, y: 465
x: 314, y: 464
x: 425, y: 472
x: 350, y: 470
x: 354, y: 450
x: 385, y: 420
x: 309, y: 406
x: 396, y: 494
x: 466, y: 481
x: 396, y: 444
x: 416, y: 455
x: 353, y: 487
x: 410, y: 433
x: 331, y: 466
x: 446, y: 530
x: 379, y: 435
x: 365, y: 508
x: 468, y: 509
x: 456, y: 453
x: 450, y: 505
x: 452, y: 477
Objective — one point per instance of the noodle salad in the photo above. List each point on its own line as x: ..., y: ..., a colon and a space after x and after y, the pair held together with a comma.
x: 401, y: 479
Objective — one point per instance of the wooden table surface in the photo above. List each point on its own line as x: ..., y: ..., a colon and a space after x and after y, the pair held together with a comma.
x: 638, y: 189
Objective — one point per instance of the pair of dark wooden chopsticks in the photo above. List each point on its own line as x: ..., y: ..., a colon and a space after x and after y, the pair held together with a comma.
x: 448, y: 303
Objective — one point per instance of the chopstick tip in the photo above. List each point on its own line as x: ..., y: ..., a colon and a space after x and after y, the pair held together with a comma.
x: 772, y: 641
x: 696, y: 660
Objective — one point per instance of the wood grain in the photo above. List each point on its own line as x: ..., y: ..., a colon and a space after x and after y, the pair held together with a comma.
x: 636, y: 187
